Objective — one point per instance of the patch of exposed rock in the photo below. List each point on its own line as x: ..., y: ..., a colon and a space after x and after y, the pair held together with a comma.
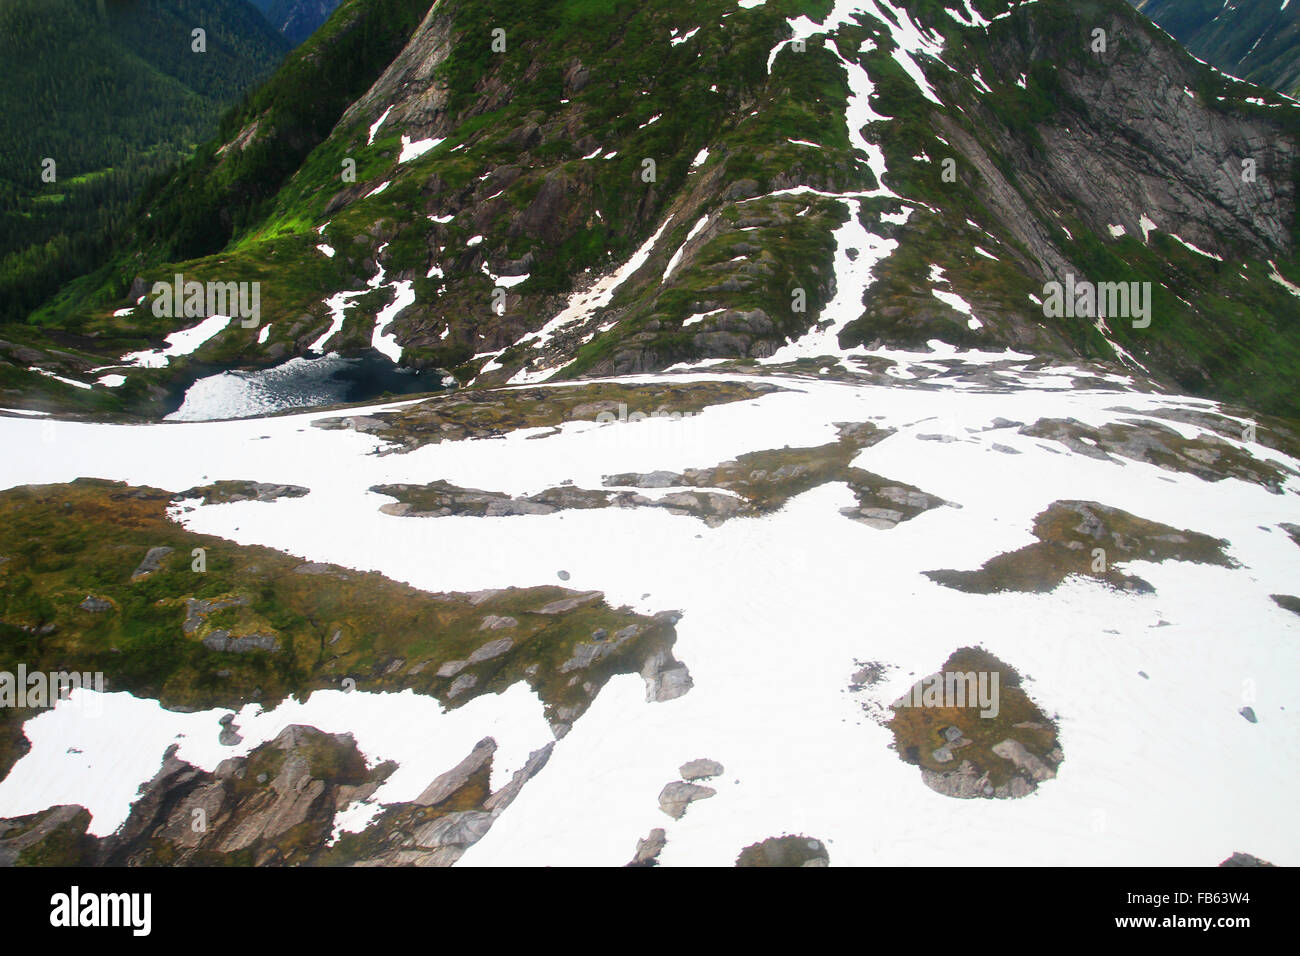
x: 649, y: 847
x: 222, y: 492
x: 973, y: 730
x: 1088, y: 539
x: 677, y: 795
x: 1208, y: 457
x: 1245, y: 859
x: 786, y: 851
x: 277, y: 807
x: 151, y: 563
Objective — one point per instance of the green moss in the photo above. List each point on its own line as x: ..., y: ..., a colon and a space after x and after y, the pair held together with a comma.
x: 1087, y: 539
x: 919, y: 731
x: 67, y: 541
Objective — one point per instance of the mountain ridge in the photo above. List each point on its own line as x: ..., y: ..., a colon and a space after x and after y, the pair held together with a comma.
x: 1058, y: 173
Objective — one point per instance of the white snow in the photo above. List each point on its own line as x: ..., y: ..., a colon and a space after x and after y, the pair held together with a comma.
x: 1195, y: 249
x: 184, y: 342
x: 1281, y: 280
x: 336, y: 304
x: 700, y: 317
x: 381, y: 339
x: 1146, y: 225
x: 677, y: 256
x: 375, y: 128
x: 584, y: 304
x: 776, y: 610
x: 415, y: 150
x: 60, y: 378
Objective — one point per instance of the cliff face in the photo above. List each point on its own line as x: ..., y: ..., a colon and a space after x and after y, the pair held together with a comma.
x: 534, y: 192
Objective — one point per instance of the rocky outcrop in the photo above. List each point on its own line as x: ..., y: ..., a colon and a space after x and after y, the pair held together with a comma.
x: 700, y: 769
x: 221, y: 492
x: 665, y: 677
x: 1089, y: 539
x: 649, y: 848
x: 786, y: 851
x: 277, y: 806
x: 972, y: 729
x: 1245, y: 859
x: 152, y: 562
x: 677, y: 795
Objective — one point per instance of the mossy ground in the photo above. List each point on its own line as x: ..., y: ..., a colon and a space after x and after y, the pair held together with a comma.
x: 66, y: 542
x: 1070, y: 533
x: 784, y: 851
x: 491, y: 413
x: 919, y: 731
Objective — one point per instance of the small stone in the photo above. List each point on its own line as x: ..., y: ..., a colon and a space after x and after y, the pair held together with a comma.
x: 461, y: 684
x: 648, y: 849
x: 1249, y: 714
x: 491, y: 649
x: 452, y: 668
x: 675, y: 797
x: 153, y: 560
x: 701, y: 769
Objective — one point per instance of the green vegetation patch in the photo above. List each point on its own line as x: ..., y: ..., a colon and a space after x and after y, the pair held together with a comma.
x: 1084, y: 538
x: 258, y: 625
x: 966, y: 749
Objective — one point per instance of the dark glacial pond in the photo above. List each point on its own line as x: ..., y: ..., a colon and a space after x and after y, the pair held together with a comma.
x: 301, y: 383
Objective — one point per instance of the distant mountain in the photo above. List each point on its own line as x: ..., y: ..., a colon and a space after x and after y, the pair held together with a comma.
x: 296, y: 19
x: 110, y: 99
x: 1257, y: 40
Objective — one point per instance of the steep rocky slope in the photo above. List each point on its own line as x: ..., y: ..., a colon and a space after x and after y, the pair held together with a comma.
x: 622, y: 187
